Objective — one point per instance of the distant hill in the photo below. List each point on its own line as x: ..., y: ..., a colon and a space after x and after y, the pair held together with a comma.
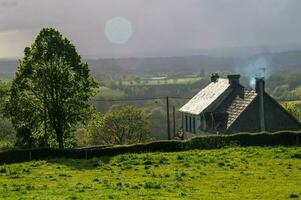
x: 290, y: 60
x: 164, y: 64
x: 8, y: 66
x: 193, y: 64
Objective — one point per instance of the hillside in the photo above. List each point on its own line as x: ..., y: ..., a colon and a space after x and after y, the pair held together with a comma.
x: 181, y: 64
x: 231, y: 173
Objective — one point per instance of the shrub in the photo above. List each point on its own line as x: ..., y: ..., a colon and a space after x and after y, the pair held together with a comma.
x: 284, y: 138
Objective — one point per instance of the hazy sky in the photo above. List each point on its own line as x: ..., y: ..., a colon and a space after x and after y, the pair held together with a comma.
x: 157, y: 26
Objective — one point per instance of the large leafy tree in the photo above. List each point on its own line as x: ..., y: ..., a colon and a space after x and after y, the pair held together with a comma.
x: 50, y: 90
x: 124, y: 125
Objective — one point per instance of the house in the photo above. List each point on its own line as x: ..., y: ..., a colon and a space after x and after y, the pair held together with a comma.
x: 225, y: 106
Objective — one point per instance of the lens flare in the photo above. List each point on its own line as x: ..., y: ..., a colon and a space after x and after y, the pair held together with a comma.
x: 118, y: 30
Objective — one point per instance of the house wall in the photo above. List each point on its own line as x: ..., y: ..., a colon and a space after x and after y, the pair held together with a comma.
x: 187, y: 129
x: 276, y: 118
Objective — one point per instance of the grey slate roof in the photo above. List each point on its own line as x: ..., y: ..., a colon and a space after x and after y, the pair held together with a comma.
x: 236, y: 103
x: 205, y: 97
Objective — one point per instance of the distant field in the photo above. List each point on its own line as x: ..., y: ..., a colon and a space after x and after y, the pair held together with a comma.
x: 297, y: 102
x: 108, y: 93
x: 231, y: 173
x: 164, y: 81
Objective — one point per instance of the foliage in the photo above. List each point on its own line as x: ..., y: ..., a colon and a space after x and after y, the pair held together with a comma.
x: 125, y: 125
x: 6, y: 144
x: 96, y: 134
x: 230, y: 173
x: 50, y: 91
x: 284, y: 138
x: 293, y: 109
x: 7, y: 132
x: 4, y: 93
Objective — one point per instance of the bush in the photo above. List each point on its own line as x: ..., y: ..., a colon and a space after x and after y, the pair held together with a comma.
x: 284, y: 138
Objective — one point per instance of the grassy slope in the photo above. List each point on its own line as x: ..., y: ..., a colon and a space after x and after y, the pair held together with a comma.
x: 108, y: 93
x: 232, y: 173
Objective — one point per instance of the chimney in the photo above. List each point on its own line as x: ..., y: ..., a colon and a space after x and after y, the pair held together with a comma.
x: 214, y: 77
x: 260, y: 91
x: 234, y: 79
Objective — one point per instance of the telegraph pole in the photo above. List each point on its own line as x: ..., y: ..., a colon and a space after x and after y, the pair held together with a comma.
x: 174, y: 120
x: 167, y: 117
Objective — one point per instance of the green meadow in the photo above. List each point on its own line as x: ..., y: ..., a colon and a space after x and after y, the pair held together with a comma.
x: 108, y: 93
x: 174, y: 81
x: 230, y: 173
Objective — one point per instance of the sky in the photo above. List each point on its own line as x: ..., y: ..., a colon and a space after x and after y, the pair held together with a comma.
x: 129, y: 28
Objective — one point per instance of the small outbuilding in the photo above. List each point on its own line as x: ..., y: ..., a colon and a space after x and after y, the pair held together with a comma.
x: 225, y: 106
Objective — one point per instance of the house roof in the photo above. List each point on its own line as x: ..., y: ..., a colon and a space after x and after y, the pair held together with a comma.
x: 236, y: 103
x: 206, y: 97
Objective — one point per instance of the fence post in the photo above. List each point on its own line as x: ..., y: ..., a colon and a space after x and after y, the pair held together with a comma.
x: 167, y: 118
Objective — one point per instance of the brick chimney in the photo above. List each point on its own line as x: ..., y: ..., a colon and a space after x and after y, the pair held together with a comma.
x: 260, y: 91
x: 214, y: 77
x: 233, y: 79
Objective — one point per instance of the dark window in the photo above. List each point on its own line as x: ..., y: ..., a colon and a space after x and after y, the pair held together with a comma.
x: 190, y: 124
x: 186, y: 123
x: 193, y: 124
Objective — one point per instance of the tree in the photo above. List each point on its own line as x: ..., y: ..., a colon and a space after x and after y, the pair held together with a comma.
x: 125, y: 125
x: 6, y: 129
x: 4, y: 93
x: 96, y: 134
x: 293, y: 109
x: 51, y: 89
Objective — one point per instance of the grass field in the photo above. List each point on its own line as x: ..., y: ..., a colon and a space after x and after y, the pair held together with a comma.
x: 164, y: 81
x: 108, y: 93
x: 231, y: 173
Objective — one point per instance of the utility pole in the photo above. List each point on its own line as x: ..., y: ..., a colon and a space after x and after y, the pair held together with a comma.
x: 174, y: 120
x: 167, y: 117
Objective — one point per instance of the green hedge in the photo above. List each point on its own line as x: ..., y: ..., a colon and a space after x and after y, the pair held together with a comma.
x: 284, y: 138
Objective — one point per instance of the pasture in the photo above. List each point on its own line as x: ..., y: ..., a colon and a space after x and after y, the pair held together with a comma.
x: 108, y: 93
x: 230, y: 173
x: 173, y: 81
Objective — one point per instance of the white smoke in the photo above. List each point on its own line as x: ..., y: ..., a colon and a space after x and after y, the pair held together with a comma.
x: 257, y: 67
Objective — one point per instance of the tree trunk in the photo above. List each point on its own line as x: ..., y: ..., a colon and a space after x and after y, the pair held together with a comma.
x: 59, y: 134
x: 61, y: 142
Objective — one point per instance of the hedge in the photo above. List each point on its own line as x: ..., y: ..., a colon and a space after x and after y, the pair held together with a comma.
x: 284, y: 138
